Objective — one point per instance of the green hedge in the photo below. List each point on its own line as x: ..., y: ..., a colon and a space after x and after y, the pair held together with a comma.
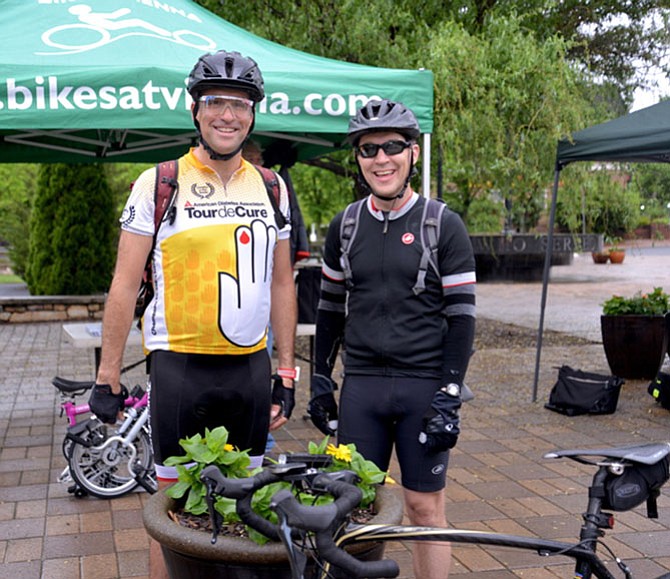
x: 72, y: 231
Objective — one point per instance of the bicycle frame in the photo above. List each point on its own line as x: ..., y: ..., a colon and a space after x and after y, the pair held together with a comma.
x: 585, y: 557
x: 587, y: 561
x: 120, y: 446
x: 324, y: 531
x: 73, y: 410
x: 136, y: 417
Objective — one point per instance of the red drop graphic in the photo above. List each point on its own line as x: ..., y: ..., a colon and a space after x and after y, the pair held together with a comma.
x: 244, y: 238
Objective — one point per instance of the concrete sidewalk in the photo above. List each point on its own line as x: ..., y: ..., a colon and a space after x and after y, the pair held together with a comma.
x: 497, y: 477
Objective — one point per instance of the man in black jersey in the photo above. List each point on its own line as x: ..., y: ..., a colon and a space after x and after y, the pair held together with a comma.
x: 407, y: 351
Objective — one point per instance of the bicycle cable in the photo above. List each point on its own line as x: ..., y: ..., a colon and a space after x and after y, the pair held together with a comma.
x: 624, y: 568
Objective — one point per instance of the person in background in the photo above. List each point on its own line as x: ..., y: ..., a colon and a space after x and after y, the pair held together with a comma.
x: 253, y: 153
x: 219, y: 278
x: 407, y: 351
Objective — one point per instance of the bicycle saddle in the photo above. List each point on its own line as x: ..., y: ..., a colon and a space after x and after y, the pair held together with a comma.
x: 649, y: 453
x: 65, y: 385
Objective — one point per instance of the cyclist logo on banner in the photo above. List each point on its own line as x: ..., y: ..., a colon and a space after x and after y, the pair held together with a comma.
x: 108, y: 27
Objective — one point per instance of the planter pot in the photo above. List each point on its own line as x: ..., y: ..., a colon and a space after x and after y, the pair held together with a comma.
x: 617, y: 256
x: 189, y: 553
x: 633, y: 344
x: 600, y: 256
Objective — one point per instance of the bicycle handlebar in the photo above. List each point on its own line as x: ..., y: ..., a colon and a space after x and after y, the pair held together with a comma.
x: 323, y: 520
x: 242, y: 490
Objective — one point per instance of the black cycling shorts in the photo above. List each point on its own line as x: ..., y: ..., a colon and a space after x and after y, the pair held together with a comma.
x: 191, y: 392
x: 377, y: 412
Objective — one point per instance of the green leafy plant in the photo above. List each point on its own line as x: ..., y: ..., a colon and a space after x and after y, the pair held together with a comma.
x: 614, y: 243
x: 655, y: 303
x: 213, y: 448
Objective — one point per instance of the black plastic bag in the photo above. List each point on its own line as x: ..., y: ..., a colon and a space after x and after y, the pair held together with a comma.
x: 659, y: 388
x: 577, y: 392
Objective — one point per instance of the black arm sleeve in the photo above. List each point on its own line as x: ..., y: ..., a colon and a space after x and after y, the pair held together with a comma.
x: 329, y: 330
x: 458, y: 343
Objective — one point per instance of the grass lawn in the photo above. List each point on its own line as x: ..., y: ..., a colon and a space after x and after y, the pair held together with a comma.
x: 10, y: 278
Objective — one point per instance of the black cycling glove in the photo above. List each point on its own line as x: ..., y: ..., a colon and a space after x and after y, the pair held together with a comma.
x: 322, y: 407
x: 283, y: 396
x: 441, y: 424
x: 105, y: 404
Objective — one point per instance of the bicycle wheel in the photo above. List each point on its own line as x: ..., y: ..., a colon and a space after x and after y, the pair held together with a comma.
x: 105, y: 472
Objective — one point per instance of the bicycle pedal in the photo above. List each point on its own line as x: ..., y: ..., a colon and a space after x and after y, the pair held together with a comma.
x: 65, y: 476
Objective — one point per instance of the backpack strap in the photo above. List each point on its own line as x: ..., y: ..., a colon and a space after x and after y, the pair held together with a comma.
x: 348, y: 229
x: 430, y: 237
x: 166, y: 186
x: 165, y: 193
x: 272, y: 187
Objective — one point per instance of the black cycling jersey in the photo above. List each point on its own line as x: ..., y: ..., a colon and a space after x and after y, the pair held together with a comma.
x: 390, y: 331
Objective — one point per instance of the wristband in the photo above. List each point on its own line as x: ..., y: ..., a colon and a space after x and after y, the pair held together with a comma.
x: 290, y: 373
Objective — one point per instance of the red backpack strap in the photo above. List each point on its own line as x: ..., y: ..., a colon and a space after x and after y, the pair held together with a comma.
x: 272, y: 187
x: 165, y: 190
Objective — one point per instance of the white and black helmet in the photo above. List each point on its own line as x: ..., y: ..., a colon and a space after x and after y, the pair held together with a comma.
x: 226, y: 69
x: 383, y: 115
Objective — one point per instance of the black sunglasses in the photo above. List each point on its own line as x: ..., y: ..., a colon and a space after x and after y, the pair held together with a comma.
x: 370, y: 150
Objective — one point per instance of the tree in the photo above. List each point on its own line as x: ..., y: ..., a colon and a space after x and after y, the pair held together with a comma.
x: 71, y: 231
x: 653, y: 182
x: 597, y: 199
x: 616, y: 41
x: 16, y: 199
x: 502, y: 101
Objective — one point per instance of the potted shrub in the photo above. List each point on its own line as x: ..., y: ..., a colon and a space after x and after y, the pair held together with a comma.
x: 601, y: 256
x: 632, y: 331
x: 189, y: 552
x: 616, y: 252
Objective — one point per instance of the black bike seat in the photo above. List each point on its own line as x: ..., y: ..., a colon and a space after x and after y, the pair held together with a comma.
x: 649, y: 453
x: 65, y: 385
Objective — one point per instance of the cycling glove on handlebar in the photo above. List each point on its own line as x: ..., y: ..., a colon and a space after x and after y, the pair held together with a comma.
x: 283, y: 396
x: 105, y: 404
x: 441, y: 423
x: 322, y: 407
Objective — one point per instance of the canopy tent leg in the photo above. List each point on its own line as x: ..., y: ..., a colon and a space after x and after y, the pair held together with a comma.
x: 545, y: 279
x: 425, y: 178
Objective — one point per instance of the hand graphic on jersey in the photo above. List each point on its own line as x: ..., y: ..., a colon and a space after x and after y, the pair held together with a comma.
x: 245, y: 302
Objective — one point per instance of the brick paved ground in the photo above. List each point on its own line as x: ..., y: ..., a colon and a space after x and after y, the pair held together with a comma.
x: 498, y: 479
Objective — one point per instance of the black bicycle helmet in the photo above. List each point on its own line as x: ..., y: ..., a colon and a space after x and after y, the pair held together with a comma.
x: 229, y: 70
x: 226, y: 69
x: 383, y: 115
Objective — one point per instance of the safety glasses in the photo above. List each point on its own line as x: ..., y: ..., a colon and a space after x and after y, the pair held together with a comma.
x: 370, y: 150
x: 240, y: 107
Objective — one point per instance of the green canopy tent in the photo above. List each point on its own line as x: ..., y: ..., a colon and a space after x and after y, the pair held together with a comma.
x: 105, y: 81
x: 639, y: 137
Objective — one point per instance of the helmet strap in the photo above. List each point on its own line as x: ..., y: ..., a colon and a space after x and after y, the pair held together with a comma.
x: 214, y: 155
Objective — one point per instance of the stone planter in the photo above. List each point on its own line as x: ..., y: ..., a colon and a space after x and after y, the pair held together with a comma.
x: 189, y: 553
x: 633, y: 344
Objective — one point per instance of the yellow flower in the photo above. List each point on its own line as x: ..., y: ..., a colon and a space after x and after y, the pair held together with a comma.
x: 341, y: 452
x: 390, y: 480
x: 228, y: 448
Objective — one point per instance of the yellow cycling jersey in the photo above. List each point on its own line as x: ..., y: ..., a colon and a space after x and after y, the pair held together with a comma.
x: 212, y: 266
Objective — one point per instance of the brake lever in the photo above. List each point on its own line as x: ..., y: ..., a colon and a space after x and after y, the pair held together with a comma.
x: 214, y: 515
x: 297, y: 559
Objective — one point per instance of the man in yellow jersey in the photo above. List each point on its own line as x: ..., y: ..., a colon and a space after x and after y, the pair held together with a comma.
x: 221, y: 271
